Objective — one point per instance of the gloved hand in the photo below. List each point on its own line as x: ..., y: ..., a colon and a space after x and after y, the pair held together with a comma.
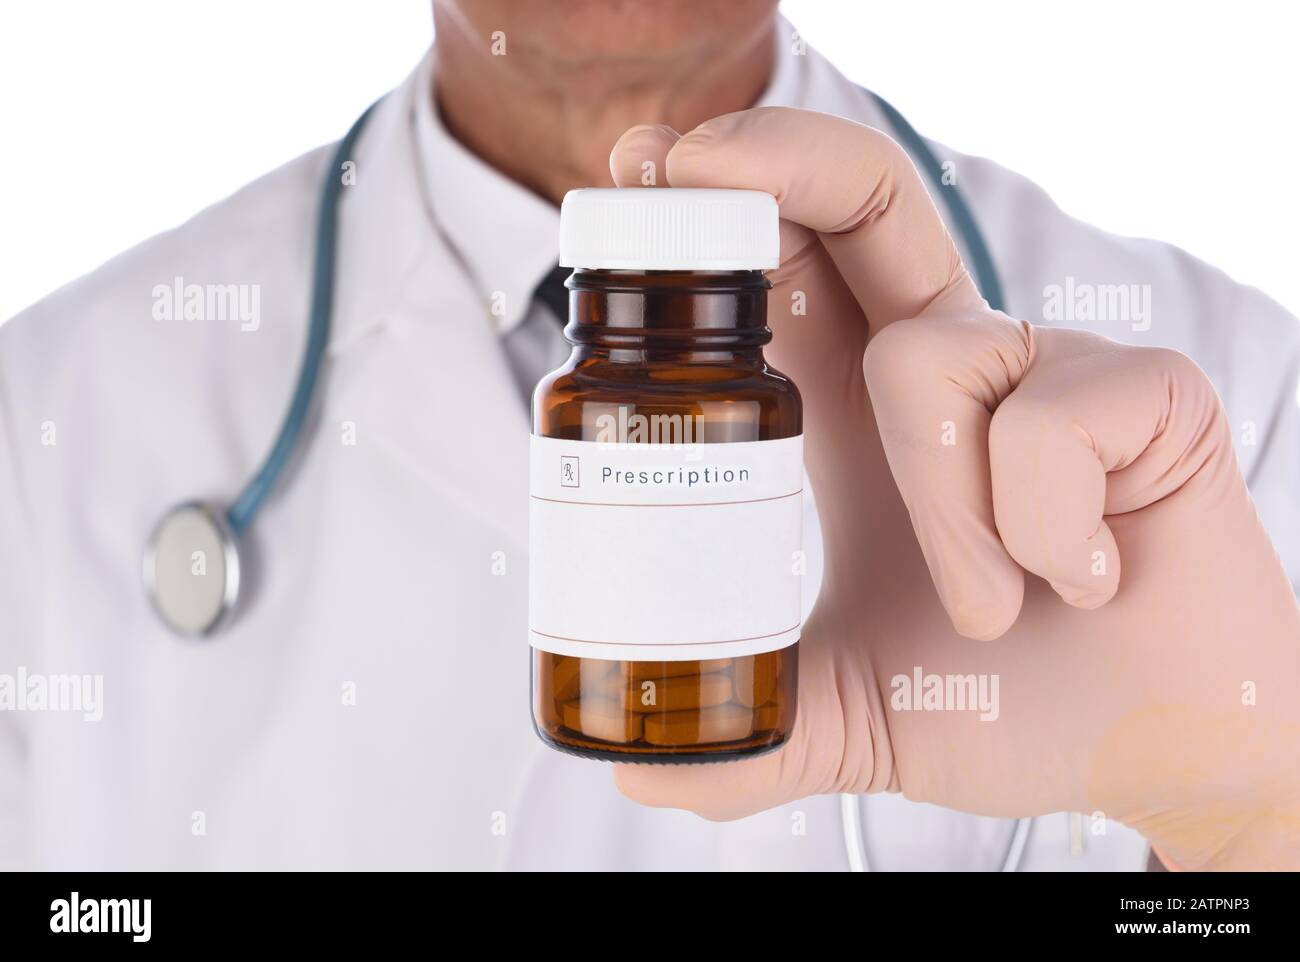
x: 1044, y: 506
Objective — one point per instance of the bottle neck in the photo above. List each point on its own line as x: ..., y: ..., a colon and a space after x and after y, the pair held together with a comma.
x: 673, y: 316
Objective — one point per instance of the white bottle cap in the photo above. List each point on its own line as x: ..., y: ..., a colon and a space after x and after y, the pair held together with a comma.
x: 669, y: 229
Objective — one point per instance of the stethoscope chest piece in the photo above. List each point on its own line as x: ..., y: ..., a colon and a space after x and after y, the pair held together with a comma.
x: 191, y: 568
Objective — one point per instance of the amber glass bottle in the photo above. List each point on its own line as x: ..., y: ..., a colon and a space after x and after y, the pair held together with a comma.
x: 666, y: 488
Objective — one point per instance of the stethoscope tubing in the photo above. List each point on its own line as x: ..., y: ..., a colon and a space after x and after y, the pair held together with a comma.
x: 245, y: 507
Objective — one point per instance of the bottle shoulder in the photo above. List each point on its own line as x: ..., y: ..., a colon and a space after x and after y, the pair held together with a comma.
x: 724, y: 401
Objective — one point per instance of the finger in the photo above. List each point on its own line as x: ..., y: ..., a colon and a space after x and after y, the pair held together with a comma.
x: 638, y: 157
x: 934, y: 384
x: 747, y: 786
x: 1093, y: 431
x: 850, y: 183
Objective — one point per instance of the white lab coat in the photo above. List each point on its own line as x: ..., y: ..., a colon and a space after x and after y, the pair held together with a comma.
x: 375, y: 568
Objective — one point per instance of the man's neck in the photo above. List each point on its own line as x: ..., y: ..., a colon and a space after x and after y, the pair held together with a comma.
x: 550, y: 126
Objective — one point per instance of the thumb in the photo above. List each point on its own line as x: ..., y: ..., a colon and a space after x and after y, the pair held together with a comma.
x: 639, y: 156
x: 838, y: 744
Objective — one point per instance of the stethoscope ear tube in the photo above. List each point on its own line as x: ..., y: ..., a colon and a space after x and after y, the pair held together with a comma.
x: 246, y: 506
x: 981, y: 257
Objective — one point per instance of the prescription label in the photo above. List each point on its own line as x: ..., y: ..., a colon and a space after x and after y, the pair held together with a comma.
x: 665, y: 552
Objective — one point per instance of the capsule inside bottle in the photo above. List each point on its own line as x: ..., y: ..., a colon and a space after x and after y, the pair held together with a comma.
x: 666, y: 710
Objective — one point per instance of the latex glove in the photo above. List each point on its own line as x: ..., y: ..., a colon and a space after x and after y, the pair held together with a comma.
x: 1075, y: 502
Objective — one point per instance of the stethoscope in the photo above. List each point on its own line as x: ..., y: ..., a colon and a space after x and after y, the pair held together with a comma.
x: 192, y: 569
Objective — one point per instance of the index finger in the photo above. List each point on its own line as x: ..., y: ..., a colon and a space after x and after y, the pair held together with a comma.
x: 852, y: 184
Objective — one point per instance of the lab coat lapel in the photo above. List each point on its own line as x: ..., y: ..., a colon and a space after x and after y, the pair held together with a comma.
x: 417, y: 366
x: 442, y: 403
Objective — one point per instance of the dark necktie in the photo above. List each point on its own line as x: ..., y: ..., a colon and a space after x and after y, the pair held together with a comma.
x: 552, y: 292
x: 536, y: 345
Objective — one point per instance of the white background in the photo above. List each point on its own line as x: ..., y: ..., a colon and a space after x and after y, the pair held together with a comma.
x: 1147, y: 117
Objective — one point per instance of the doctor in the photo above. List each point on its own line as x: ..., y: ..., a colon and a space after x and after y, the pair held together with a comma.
x: 367, y: 706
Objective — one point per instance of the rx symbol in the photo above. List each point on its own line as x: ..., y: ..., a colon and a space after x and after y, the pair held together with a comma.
x: 569, y: 472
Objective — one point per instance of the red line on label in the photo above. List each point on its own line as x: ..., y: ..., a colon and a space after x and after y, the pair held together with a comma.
x: 641, y: 504
x: 661, y: 644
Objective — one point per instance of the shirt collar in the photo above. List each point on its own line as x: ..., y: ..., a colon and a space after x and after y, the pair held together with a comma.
x: 506, y: 236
